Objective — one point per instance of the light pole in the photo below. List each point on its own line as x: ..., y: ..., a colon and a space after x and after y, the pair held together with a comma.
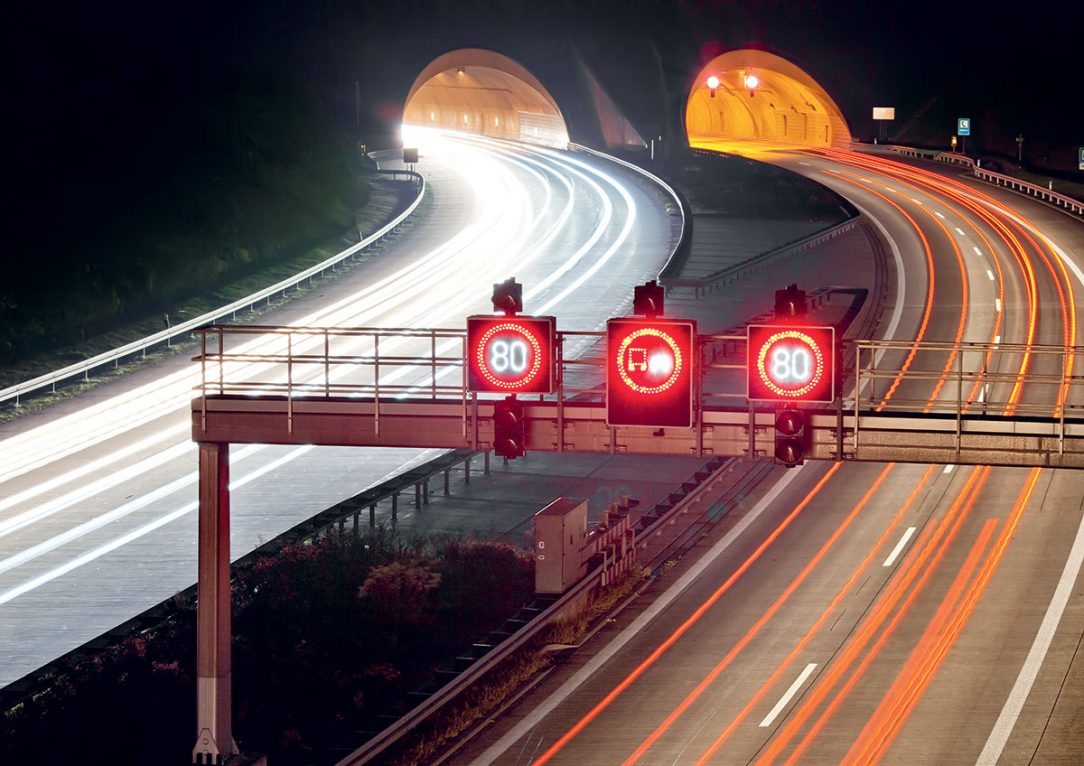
x: 1020, y: 148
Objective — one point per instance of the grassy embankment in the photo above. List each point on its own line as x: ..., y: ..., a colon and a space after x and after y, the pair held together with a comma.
x: 200, y: 204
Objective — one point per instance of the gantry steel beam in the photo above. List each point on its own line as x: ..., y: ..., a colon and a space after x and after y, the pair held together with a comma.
x: 837, y: 433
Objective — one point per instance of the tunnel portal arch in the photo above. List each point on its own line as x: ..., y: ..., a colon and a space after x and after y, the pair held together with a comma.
x: 483, y: 92
x: 786, y: 104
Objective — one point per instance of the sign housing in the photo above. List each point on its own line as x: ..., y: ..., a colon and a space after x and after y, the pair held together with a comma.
x: 791, y: 363
x: 511, y: 354
x: 650, y: 368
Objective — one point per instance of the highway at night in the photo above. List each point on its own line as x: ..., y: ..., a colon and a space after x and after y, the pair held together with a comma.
x: 98, y: 512
x: 865, y: 613
x: 746, y: 338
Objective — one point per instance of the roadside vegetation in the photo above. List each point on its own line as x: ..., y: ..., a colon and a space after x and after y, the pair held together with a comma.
x: 327, y: 638
x: 171, y: 206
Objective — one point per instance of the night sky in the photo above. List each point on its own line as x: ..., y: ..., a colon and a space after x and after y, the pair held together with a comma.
x: 88, y: 80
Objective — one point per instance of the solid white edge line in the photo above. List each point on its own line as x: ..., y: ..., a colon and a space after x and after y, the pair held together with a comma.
x: 532, y: 719
x: 788, y: 694
x: 551, y: 702
x: 1005, y: 723
x: 899, y: 547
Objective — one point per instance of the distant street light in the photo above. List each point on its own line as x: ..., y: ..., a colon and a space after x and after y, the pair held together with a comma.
x: 751, y: 83
x: 713, y: 85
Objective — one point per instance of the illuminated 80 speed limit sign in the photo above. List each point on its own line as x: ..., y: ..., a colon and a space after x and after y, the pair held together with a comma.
x: 791, y: 363
x: 514, y: 355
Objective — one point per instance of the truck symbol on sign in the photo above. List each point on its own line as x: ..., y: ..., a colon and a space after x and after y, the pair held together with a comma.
x: 637, y: 359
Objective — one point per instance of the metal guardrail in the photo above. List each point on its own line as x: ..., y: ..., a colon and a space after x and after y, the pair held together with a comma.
x: 461, y: 683
x: 114, y: 357
x: 717, y: 279
x: 686, y: 222
x: 446, y: 694
x: 1069, y: 204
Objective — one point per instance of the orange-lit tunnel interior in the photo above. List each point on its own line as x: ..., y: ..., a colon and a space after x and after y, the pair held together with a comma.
x: 479, y: 91
x: 749, y: 95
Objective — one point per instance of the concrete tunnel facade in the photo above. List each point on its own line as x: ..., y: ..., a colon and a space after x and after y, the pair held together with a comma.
x: 483, y: 92
x: 787, y: 105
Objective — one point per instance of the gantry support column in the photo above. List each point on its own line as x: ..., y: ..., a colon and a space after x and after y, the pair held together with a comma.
x: 214, y: 742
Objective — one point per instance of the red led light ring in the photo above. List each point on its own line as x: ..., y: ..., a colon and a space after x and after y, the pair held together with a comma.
x: 674, y: 374
x: 818, y: 363
x: 536, y: 359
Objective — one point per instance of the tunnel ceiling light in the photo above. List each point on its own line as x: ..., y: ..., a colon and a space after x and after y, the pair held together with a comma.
x: 713, y: 82
x: 751, y: 81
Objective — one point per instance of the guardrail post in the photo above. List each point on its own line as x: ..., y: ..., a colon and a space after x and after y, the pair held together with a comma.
x: 959, y: 397
x: 376, y: 384
x: 221, y: 363
x: 560, y: 392
x: 214, y: 739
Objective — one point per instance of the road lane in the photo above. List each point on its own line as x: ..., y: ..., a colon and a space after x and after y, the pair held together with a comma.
x: 961, y: 568
x: 97, y: 493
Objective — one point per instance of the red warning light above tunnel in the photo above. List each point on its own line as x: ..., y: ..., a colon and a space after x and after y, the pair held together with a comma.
x: 790, y: 363
x: 512, y: 355
x: 649, y: 372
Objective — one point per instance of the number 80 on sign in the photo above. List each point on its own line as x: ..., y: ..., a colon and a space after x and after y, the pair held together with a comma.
x: 513, y: 355
x: 790, y: 363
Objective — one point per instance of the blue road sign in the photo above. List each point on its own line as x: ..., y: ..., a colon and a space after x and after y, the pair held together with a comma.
x: 963, y: 126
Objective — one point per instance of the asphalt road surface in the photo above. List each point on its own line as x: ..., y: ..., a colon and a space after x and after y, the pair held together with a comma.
x: 865, y: 613
x: 98, y: 493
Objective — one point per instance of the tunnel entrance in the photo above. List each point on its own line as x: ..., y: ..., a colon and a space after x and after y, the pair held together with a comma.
x: 750, y: 95
x: 479, y: 91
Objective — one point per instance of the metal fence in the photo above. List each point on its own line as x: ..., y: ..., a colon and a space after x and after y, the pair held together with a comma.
x: 139, y: 348
x: 384, y: 365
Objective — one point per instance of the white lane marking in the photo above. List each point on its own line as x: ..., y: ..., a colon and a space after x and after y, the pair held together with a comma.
x: 916, y: 201
x: 948, y: 468
x: 138, y: 532
x: 997, y: 304
x: 977, y: 251
x: 1015, y: 703
x: 548, y: 705
x: 110, y: 480
x: 794, y: 687
x: 899, y: 547
x: 990, y: 274
x: 960, y: 232
x: 997, y: 339
x: 94, y: 467
x: 803, y: 163
x: 901, y: 280
x: 939, y: 215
